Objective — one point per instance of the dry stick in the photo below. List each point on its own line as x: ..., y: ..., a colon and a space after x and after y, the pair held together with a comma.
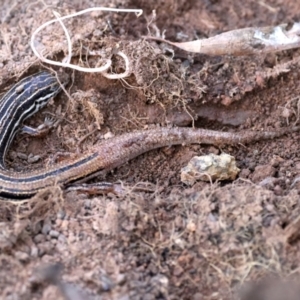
x: 244, y: 41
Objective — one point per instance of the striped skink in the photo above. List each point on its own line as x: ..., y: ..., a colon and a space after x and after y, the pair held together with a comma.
x: 33, y: 92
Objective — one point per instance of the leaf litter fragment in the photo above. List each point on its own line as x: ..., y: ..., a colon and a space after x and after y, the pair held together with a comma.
x: 245, y: 41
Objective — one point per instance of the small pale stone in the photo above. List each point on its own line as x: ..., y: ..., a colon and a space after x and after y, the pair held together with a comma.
x: 46, y: 228
x: 54, y: 233
x: 87, y: 204
x: 191, y: 226
x: 64, y: 225
x: 33, y: 158
x: 58, y: 222
x: 180, y: 242
x: 286, y: 113
x: 62, y: 238
x: 108, y: 135
x: 22, y: 155
x: 121, y: 279
x: 34, y: 251
x: 21, y: 256
x: 210, y: 167
x: 61, y: 214
x: 39, y: 238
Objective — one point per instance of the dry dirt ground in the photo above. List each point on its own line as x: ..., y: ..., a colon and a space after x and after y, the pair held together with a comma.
x: 163, y: 240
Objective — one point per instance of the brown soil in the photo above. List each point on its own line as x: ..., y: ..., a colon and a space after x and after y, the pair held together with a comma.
x: 164, y: 240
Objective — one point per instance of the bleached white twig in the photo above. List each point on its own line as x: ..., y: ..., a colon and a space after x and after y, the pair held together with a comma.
x: 121, y: 75
x: 66, y: 61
